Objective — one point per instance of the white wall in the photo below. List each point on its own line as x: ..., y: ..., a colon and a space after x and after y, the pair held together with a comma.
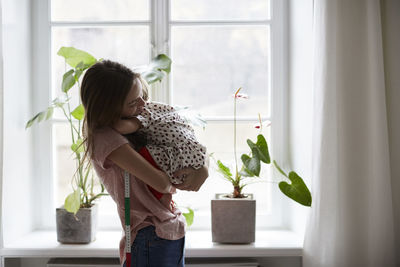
x: 17, y: 195
x: 300, y: 99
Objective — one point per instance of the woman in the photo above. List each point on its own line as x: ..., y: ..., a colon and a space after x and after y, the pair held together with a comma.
x: 110, y: 92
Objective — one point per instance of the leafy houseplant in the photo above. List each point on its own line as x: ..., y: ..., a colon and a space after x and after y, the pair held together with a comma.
x: 297, y: 191
x: 83, y: 195
x: 233, y: 215
x: 81, y: 227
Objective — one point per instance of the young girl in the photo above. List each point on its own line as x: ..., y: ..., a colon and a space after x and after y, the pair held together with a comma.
x: 109, y: 92
x: 170, y: 140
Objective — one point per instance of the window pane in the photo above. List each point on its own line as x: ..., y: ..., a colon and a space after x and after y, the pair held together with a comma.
x: 218, y: 138
x: 127, y: 45
x: 64, y: 169
x: 99, y: 10
x: 64, y: 162
x: 210, y: 63
x: 220, y: 9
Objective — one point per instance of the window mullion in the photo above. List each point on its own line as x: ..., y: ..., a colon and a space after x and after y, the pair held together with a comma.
x: 160, y: 45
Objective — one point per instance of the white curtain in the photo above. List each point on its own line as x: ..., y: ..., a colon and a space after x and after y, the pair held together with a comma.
x: 1, y: 127
x: 352, y: 220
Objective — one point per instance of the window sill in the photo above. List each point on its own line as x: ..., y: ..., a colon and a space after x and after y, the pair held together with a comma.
x: 198, y: 244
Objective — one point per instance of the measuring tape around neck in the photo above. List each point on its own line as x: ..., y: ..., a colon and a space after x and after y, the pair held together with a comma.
x: 127, y: 220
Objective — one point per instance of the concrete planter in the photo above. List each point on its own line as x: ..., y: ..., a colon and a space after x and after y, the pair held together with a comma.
x: 76, y: 230
x: 233, y: 220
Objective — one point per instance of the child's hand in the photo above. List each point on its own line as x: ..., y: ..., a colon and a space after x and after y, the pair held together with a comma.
x: 127, y: 126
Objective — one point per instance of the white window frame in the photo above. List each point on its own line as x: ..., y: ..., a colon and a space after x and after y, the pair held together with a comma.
x: 160, y: 28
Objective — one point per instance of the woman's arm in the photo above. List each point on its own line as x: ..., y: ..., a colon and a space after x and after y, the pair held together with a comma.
x: 128, y: 159
x: 127, y: 125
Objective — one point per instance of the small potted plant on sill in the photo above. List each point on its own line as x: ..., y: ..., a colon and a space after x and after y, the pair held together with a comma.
x: 76, y: 220
x: 233, y: 216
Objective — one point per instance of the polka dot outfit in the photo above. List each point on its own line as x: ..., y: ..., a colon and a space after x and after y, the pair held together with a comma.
x: 170, y: 140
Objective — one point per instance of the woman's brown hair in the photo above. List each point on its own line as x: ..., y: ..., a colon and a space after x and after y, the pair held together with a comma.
x: 104, y: 88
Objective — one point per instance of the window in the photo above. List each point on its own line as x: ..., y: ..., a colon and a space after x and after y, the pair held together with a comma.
x: 216, y: 47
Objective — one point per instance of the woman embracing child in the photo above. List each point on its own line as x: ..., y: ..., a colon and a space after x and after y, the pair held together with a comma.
x: 125, y: 131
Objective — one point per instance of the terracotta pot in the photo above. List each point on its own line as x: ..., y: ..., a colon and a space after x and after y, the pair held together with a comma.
x: 233, y: 220
x: 76, y: 229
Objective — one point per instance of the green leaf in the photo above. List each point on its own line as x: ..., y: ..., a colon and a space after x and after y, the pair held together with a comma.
x: 245, y: 172
x: 252, y: 163
x: 43, y: 115
x: 68, y: 81
x: 49, y: 113
x: 73, y: 201
x: 297, y: 190
x: 155, y: 70
x: 152, y: 76
x: 161, y: 62
x: 75, y: 56
x: 224, y: 170
x: 77, y: 147
x: 79, y: 112
x: 191, y: 117
x: 80, y: 66
x: 262, y: 147
x: 32, y: 121
x: 58, y: 103
x: 189, y: 216
x: 77, y: 74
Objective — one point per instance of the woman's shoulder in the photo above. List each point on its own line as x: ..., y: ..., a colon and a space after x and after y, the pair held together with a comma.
x: 106, y: 140
x: 105, y: 132
x: 107, y: 136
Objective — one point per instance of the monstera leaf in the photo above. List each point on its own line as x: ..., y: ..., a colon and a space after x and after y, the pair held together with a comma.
x: 76, y: 58
x: 155, y: 70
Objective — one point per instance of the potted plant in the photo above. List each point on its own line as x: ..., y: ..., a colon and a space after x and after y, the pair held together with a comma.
x: 77, y: 219
x: 233, y: 215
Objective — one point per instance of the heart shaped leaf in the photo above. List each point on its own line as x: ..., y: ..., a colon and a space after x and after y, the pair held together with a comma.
x: 73, y: 201
x: 189, y: 216
x: 245, y: 172
x: 161, y: 62
x: 297, y: 190
x: 78, y: 147
x: 79, y: 112
x: 261, y: 147
x: 252, y: 163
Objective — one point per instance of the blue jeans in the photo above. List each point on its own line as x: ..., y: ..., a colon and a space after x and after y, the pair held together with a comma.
x: 149, y: 250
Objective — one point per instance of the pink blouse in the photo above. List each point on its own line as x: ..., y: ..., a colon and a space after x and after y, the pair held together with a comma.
x: 146, y: 210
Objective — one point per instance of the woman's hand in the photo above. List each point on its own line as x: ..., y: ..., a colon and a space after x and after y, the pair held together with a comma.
x: 194, y: 179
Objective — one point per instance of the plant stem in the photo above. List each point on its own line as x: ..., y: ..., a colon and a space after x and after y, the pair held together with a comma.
x: 79, y: 122
x: 234, y: 136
